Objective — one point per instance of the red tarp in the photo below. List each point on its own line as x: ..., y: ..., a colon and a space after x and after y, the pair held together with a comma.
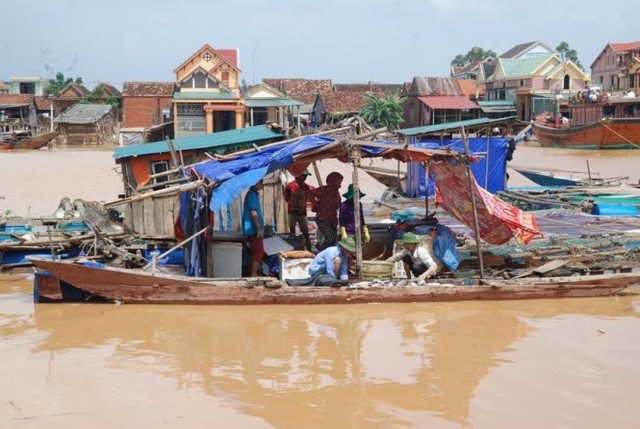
x: 498, y: 221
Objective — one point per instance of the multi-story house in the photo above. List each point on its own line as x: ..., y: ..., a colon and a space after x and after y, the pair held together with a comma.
x: 207, y: 98
x: 532, y: 79
x: 610, y: 69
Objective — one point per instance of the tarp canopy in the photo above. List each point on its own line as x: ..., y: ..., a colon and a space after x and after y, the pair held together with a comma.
x: 489, y: 170
x: 245, y: 169
x: 498, y: 221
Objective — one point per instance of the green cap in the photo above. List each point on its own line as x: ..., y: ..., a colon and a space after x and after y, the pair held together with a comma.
x: 348, y: 243
x: 409, y: 238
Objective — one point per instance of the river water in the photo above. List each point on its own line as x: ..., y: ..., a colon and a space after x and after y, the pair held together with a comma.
x: 565, y: 363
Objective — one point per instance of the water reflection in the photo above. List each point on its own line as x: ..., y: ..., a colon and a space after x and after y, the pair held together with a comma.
x: 377, y: 365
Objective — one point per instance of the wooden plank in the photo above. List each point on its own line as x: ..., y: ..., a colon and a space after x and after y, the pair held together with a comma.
x: 148, y: 221
x: 267, y: 204
x: 170, y: 208
x: 138, y: 214
x: 128, y: 217
x: 158, y: 216
x: 550, y: 266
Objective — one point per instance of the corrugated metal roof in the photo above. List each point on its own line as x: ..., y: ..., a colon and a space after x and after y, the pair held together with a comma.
x: 428, y: 129
x: 448, y: 102
x: 203, y: 95
x: 83, y: 114
x: 498, y: 106
x: 270, y: 102
x: 204, y: 141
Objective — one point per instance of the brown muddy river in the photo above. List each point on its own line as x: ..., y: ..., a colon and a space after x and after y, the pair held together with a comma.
x: 566, y: 363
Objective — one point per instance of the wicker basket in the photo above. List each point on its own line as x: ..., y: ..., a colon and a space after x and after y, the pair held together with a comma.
x: 377, y: 270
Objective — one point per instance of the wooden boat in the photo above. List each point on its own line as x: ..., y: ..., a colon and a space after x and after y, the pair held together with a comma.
x: 598, y: 121
x: 34, y: 142
x: 142, y: 287
x: 608, y: 133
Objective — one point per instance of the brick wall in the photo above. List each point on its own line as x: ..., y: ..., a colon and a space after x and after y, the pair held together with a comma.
x: 144, y: 111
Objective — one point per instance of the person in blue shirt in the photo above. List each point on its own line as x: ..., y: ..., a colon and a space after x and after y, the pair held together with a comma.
x: 253, y: 226
x: 334, y: 260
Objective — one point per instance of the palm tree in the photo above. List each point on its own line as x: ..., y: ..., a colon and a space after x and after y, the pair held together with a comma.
x: 382, y: 112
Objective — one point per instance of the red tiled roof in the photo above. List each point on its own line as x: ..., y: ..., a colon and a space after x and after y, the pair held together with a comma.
x: 625, y: 47
x: 110, y: 90
x: 231, y: 55
x: 148, y: 89
x: 343, y: 102
x: 16, y: 98
x: 42, y: 103
x: 73, y: 91
x: 304, y: 90
x: 468, y: 87
x: 214, y: 51
x: 448, y: 102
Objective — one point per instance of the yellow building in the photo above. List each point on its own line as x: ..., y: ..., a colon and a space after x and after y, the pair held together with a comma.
x: 208, y: 97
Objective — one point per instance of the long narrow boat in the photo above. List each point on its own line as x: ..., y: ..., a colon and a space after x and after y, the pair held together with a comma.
x: 137, y: 286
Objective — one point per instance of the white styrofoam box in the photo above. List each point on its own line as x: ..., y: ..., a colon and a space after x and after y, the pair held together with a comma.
x: 294, y: 268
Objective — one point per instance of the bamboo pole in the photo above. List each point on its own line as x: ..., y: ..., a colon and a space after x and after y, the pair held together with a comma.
x: 476, y: 226
x: 159, y: 192
x: 355, y: 160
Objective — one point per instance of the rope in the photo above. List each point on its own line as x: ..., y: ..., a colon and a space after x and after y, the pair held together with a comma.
x: 619, y: 135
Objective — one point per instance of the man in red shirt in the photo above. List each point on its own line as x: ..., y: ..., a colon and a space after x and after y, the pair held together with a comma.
x: 296, y: 194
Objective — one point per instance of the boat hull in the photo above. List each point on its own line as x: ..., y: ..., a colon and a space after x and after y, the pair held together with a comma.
x: 606, y: 134
x: 131, y: 286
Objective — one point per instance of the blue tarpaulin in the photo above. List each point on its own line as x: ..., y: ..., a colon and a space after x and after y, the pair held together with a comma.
x: 243, y: 171
x: 492, y: 179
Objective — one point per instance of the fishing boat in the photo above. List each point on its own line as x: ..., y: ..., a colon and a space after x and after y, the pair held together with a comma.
x: 142, y: 287
x: 28, y: 142
x: 607, y: 123
x: 555, y: 178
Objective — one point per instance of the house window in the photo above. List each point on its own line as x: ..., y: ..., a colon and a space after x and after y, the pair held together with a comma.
x: 191, y: 117
x: 521, y: 82
x: 259, y: 115
x: 501, y: 94
x: 159, y: 167
x: 225, y: 77
x: 566, y: 82
x: 27, y: 88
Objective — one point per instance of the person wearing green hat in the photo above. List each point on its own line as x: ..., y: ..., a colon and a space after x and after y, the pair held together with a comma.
x: 418, y: 258
x: 334, y: 260
x: 297, y: 193
x: 347, y: 216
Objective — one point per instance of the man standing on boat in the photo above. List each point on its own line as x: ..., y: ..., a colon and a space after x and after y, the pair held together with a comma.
x: 296, y: 194
x: 253, y: 226
x: 326, y: 202
x: 418, y: 259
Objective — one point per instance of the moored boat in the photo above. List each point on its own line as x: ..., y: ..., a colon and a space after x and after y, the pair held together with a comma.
x: 604, y: 122
x: 608, y: 133
x: 142, y: 287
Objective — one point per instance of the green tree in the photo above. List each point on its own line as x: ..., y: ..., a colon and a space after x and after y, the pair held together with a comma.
x: 58, y: 83
x: 382, y: 112
x: 570, y: 54
x: 475, y: 53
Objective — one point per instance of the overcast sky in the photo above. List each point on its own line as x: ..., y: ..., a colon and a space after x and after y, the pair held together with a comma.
x: 386, y: 41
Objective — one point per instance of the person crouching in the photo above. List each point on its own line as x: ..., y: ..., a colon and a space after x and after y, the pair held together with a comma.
x: 418, y: 259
